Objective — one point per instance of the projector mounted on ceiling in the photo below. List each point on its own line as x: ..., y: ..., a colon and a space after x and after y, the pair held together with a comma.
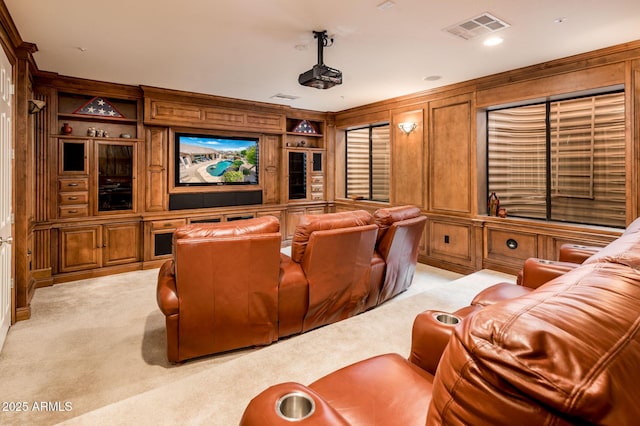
x: 321, y: 76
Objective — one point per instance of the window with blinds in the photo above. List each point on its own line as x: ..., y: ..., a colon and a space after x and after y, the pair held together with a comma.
x: 367, y: 163
x: 560, y: 160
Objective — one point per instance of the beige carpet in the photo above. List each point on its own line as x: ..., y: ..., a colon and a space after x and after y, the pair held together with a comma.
x: 94, y: 353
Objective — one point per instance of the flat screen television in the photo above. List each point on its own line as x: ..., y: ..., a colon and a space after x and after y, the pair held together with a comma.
x: 202, y: 160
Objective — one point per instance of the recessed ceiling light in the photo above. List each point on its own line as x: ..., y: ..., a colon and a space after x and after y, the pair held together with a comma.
x: 560, y: 20
x: 432, y: 78
x: 386, y: 5
x: 493, y: 41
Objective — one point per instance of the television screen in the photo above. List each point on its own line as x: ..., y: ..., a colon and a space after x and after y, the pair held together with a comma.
x: 215, y: 160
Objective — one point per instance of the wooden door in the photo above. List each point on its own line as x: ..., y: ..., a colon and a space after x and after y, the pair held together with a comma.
x: 6, y: 176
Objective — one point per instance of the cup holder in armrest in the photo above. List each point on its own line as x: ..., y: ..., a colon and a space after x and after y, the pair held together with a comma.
x: 546, y: 262
x: 448, y: 319
x: 295, y: 406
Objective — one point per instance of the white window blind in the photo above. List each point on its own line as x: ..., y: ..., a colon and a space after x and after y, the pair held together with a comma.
x: 570, y: 170
x: 367, y: 165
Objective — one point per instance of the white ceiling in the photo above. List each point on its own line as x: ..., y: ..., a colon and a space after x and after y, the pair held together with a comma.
x: 255, y: 49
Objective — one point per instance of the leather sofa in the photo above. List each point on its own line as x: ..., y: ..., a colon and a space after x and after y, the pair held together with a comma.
x: 564, y: 353
x: 228, y: 285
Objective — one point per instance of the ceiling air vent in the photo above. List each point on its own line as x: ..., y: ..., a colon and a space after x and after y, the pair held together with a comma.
x: 478, y: 26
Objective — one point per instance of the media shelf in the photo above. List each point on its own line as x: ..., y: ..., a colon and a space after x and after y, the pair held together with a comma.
x: 85, y: 112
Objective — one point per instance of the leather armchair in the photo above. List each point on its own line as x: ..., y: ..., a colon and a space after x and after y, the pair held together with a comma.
x: 326, y: 278
x: 396, y: 255
x: 220, y: 290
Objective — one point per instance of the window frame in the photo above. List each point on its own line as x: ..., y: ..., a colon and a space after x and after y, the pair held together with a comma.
x: 549, y: 164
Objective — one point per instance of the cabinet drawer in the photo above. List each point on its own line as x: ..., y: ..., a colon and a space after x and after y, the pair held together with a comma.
x: 510, y: 245
x: 167, y: 224
x: 73, y: 211
x: 73, y: 184
x: 315, y: 179
x: 80, y: 197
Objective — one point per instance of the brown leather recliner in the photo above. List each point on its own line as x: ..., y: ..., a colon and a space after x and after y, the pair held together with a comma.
x: 396, y: 255
x: 220, y: 290
x: 564, y: 353
x: 326, y: 278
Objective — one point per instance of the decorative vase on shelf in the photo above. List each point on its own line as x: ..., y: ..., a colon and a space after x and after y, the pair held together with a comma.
x: 493, y: 204
x: 66, y: 129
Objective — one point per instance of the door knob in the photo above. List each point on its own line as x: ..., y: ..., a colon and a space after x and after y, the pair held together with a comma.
x: 7, y: 240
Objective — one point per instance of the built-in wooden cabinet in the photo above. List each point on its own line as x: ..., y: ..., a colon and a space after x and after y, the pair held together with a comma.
x: 304, y: 160
x: 95, y: 164
x: 305, y: 175
x: 97, y: 176
x: 509, y: 242
x: 85, y: 247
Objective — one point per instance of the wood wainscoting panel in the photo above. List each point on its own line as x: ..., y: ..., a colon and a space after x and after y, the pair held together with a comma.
x: 156, y: 145
x: 408, y: 160
x: 447, y: 240
x: 451, y: 157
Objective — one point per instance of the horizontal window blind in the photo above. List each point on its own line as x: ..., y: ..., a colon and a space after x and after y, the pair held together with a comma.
x: 517, y: 159
x: 587, y: 160
x: 585, y: 145
x: 367, y: 163
x: 358, y: 163
x: 380, y: 158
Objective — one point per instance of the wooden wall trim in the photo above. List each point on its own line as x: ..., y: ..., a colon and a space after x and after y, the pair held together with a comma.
x: 586, y: 79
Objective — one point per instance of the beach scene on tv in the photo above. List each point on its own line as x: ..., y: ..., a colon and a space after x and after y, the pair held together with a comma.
x: 213, y: 160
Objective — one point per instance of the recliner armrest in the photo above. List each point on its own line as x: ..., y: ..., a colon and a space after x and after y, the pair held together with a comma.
x: 536, y: 272
x: 430, y: 336
x: 576, y: 253
x: 167, y: 294
x: 262, y: 410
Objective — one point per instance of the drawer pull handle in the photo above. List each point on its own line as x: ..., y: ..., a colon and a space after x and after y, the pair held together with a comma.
x: 512, y: 244
x: 73, y: 211
x: 73, y: 184
x: 168, y: 225
x: 73, y: 198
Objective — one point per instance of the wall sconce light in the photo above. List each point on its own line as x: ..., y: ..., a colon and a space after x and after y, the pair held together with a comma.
x: 35, y: 106
x: 407, y: 127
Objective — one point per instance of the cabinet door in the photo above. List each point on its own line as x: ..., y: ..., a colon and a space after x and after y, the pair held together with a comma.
x: 74, y: 157
x: 115, y: 174
x: 297, y: 175
x: 80, y: 248
x: 121, y: 243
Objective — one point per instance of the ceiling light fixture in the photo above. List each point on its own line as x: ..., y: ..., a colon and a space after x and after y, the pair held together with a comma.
x: 386, y: 5
x: 493, y: 41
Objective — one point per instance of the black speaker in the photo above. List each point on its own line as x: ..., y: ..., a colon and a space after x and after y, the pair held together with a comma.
x: 201, y: 200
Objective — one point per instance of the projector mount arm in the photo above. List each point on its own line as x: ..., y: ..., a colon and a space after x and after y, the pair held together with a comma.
x: 323, y: 41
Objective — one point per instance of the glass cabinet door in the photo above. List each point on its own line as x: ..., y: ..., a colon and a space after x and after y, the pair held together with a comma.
x: 73, y: 157
x: 297, y: 175
x: 116, y: 171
